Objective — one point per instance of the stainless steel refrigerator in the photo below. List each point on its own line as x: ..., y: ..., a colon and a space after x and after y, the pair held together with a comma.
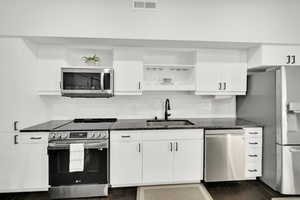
x: 273, y: 99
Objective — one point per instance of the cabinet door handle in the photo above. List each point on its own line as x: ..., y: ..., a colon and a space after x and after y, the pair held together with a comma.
x: 16, y: 139
x: 254, y: 155
x: 288, y: 59
x: 252, y: 170
x: 176, y: 146
x: 125, y: 136
x: 253, y: 143
x: 139, y: 147
x: 220, y: 86
x: 225, y: 85
x: 139, y: 85
x: 171, y: 145
x: 294, y: 59
x: 16, y: 125
x: 36, y: 138
x: 253, y: 133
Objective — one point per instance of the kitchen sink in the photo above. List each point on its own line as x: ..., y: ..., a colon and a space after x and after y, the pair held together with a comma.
x: 159, y: 123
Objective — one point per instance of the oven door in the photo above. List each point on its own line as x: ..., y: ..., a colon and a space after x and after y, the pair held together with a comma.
x: 95, y: 166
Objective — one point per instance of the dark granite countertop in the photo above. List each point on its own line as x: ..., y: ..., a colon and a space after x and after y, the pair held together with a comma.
x: 207, y: 123
x: 140, y: 124
x: 47, y: 126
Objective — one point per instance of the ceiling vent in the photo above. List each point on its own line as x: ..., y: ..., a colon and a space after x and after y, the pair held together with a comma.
x: 144, y: 4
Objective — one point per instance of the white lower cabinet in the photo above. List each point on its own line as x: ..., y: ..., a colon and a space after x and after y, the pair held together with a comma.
x: 253, y: 152
x: 157, y: 162
x: 26, y: 162
x: 188, y: 161
x: 149, y: 157
x: 125, y: 163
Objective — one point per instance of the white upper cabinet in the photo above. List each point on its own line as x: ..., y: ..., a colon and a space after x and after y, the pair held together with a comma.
x: 128, y: 71
x: 221, y: 72
x: 128, y: 77
x: 273, y: 55
x: 221, y: 78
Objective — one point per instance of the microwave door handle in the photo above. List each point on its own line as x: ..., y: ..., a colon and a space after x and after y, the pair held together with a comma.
x: 102, y: 81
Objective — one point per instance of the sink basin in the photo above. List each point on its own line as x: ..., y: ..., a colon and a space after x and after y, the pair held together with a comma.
x: 158, y: 123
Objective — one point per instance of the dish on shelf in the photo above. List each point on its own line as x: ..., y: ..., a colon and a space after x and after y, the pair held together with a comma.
x: 167, y: 81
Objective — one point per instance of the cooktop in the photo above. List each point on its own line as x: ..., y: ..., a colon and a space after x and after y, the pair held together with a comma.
x: 88, y: 124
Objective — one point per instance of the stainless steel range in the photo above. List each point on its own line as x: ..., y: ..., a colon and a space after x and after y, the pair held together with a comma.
x: 92, y: 179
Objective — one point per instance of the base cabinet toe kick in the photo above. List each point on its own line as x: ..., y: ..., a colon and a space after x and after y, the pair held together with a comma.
x: 152, y: 157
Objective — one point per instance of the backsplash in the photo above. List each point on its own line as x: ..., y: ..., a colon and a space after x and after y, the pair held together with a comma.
x: 148, y: 105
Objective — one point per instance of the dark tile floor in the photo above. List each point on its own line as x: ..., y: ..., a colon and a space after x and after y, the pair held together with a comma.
x: 244, y: 190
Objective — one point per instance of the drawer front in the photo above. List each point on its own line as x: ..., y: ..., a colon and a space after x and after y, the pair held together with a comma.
x: 254, y: 142
x: 174, y: 134
x: 253, y: 170
x: 253, y: 132
x: 33, y: 138
x: 125, y: 135
x: 254, y: 155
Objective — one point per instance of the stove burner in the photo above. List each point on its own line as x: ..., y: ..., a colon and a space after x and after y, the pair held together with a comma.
x: 94, y: 120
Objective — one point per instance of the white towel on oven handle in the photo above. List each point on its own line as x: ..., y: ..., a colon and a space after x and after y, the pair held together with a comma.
x: 76, y: 163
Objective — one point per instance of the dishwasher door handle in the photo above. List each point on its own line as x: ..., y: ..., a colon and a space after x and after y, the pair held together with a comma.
x: 224, y: 134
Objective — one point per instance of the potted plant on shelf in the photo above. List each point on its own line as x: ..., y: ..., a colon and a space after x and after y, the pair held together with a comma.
x: 91, y: 60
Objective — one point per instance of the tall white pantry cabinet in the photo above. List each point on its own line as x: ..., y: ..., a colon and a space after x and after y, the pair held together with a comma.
x: 23, y: 157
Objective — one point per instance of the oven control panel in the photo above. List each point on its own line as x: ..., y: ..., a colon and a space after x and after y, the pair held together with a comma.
x: 78, y: 135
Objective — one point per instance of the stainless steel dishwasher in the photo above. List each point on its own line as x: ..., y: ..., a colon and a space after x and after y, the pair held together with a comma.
x: 224, y: 155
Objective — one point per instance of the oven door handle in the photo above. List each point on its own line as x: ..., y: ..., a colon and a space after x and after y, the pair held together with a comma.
x: 55, y: 146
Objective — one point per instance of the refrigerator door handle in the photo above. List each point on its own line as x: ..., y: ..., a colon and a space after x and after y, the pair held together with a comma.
x: 294, y: 150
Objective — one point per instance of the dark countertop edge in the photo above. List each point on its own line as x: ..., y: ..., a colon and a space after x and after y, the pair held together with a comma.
x: 200, y: 127
x: 53, y: 130
x: 248, y: 124
x: 32, y: 131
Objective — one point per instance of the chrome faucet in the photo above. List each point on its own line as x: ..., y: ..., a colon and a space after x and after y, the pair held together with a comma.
x: 167, y: 107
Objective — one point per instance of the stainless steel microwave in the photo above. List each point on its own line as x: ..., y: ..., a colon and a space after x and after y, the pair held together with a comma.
x: 87, y: 82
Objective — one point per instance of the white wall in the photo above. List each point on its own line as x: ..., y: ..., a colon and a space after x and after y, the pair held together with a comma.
x: 266, y: 21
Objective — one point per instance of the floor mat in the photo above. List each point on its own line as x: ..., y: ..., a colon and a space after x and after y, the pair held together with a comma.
x: 174, y: 192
